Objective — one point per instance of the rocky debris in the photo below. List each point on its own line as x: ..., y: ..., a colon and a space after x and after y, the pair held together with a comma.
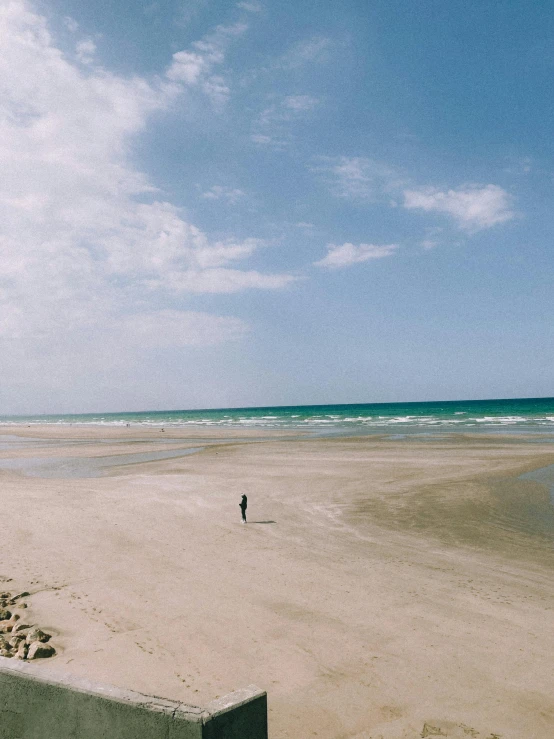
x: 15, y: 598
x: 7, y: 625
x: 18, y: 639
x: 430, y: 730
x: 37, y: 635
x: 20, y: 626
x: 38, y: 650
x: 21, y: 651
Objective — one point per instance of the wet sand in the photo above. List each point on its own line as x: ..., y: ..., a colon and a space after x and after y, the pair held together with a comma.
x: 381, y: 589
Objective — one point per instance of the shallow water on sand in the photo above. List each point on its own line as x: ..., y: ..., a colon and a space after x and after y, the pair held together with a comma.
x: 544, y: 475
x: 81, y: 467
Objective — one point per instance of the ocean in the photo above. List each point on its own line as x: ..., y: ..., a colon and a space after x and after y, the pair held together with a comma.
x: 520, y: 415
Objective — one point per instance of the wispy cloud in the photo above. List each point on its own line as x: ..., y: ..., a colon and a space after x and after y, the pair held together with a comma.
x: 272, y: 126
x: 251, y: 7
x: 309, y: 50
x: 359, y: 178
x: 345, y: 255
x: 299, y: 103
x: 86, y: 248
x: 432, y: 238
x: 85, y: 51
x: 71, y: 24
x: 289, y: 108
x: 473, y: 207
x: 194, y: 67
x: 519, y: 165
x: 221, y: 281
x: 186, y: 12
x: 218, y: 192
x: 264, y: 140
x: 171, y: 328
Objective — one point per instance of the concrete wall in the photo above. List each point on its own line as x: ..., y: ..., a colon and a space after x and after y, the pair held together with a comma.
x: 50, y: 705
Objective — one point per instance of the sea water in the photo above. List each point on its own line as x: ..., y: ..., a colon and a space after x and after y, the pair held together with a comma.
x: 520, y: 415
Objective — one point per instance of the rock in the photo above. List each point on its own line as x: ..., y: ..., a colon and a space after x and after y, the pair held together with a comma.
x: 431, y: 730
x: 7, y: 626
x: 5, y: 615
x: 22, y: 605
x: 38, y: 650
x: 24, y: 594
x: 5, y: 596
x: 5, y: 653
x: 14, y: 641
x: 20, y: 626
x: 37, y: 635
x: 22, y: 651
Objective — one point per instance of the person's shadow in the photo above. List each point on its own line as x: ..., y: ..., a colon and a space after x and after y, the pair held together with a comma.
x: 263, y: 521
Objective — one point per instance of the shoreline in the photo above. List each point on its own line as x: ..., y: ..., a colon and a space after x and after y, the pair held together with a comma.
x: 405, y: 579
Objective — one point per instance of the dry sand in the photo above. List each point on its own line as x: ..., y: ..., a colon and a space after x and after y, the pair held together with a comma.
x: 381, y: 589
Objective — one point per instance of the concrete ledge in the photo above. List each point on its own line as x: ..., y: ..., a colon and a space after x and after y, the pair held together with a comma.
x: 55, y: 705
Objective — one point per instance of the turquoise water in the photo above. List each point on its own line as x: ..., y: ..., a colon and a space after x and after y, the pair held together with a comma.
x: 526, y: 415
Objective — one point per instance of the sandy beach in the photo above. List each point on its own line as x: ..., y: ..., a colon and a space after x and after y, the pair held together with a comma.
x: 382, y: 589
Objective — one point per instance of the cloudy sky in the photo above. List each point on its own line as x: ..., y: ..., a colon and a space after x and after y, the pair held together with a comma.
x: 212, y: 204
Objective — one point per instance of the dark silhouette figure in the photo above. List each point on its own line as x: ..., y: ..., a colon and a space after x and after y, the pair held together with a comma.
x: 243, y: 506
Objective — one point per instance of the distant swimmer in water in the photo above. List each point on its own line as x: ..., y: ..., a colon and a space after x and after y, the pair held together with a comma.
x: 243, y: 506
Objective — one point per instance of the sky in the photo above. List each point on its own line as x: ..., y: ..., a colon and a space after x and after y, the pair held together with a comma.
x: 217, y: 204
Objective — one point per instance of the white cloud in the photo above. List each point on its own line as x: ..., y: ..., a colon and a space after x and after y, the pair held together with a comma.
x: 261, y: 139
x: 360, y: 178
x: 71, y: 24
x: 85, y: 51
x: 300, y: 103
x: 344, y: 255
x: 186, y: 12
x: 218, y: 192
x: 171, y: 328
x: 309, y: 50
x: 251, y: 7
x: 526, y: 164
x: 194, y: 68
x: 79, y: 248
x: 220, y: 280
x: 288, y: 109
x: 272, y: 126
x: 433, y: 237
x: 519, y: 165
x: 473, y: 207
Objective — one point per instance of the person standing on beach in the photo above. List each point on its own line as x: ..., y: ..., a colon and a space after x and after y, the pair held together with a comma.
x: 243, y: 505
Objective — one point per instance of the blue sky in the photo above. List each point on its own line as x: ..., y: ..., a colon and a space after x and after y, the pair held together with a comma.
x: 210, y: 204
